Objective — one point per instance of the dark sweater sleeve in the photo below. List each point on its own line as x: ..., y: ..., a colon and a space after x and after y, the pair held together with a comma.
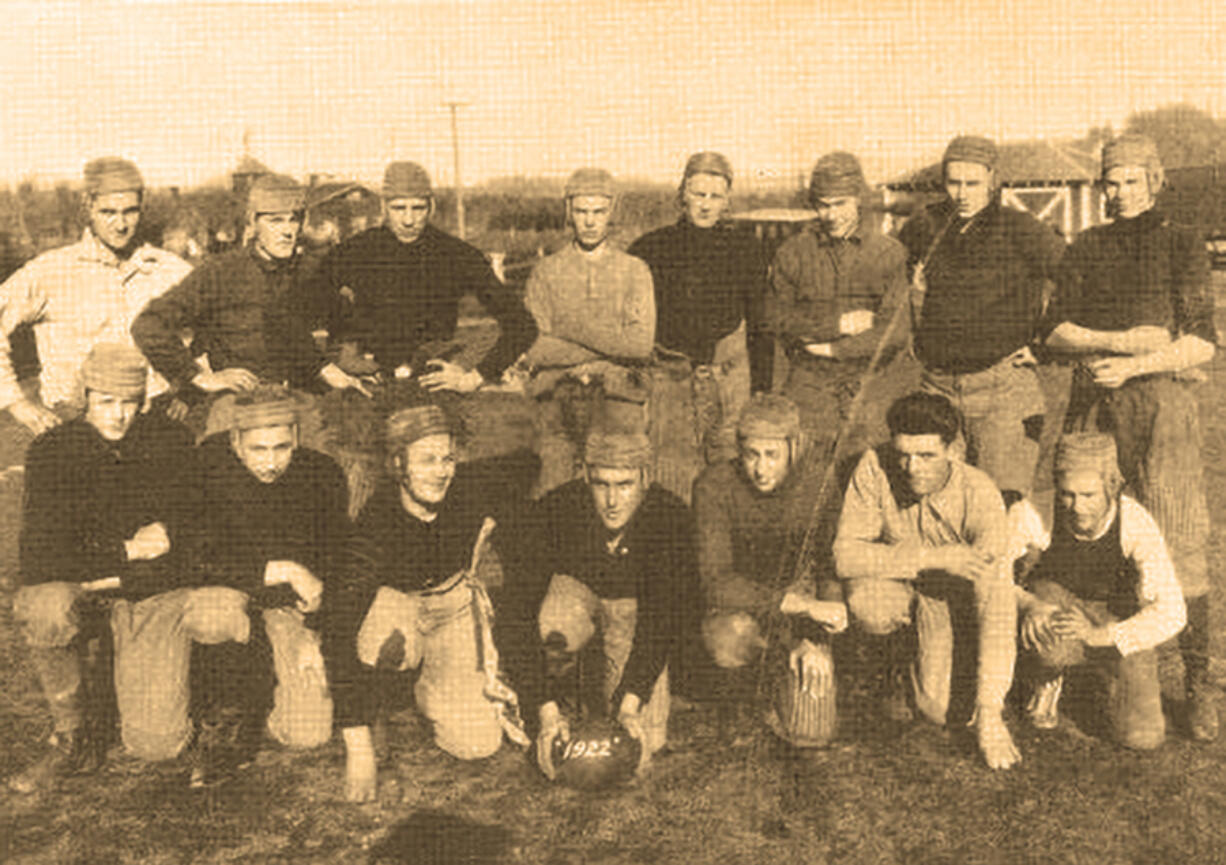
x: 516, y: 328
x: 330, y: 526
x: 1066, y: 300
x: 351, y: 591
x: 1042, y: 250
x: 156, y: 330
x: 668, y: 605
x: 759, y: 335
x: 1192, y: 297
x: 335, y: 293
x: 61, y: 539
x: 173, y: 485
x: 916, y: 236
x: 892, y: 286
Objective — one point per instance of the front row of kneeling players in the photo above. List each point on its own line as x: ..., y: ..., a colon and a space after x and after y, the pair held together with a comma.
x: 240, y: 599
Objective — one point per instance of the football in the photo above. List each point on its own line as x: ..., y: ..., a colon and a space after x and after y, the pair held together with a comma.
x: 599, y: 754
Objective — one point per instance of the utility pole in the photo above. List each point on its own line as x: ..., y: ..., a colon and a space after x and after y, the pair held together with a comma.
x: 455, y: 149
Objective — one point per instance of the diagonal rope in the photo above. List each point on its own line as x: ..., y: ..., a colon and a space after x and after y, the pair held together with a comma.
x: 806, y: 559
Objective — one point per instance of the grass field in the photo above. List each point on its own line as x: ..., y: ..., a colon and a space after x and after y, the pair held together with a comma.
x: 881, y: 795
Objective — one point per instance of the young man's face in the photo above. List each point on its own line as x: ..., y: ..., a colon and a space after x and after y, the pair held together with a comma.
x: 838, y: 215
x: 276, y: 234
x: 617, y: 494
x: 924, y: 461
x: 1083, y: 495
x: 427, y: 469
x: 113, y: 218
x: 969, y: 186
x: 267, y: 451
x: 766, y: 462
x: 1127, y: 191
x: 407, y: 217
x: 111, y: 415
x: 590, y: 215
x: 705, y: 198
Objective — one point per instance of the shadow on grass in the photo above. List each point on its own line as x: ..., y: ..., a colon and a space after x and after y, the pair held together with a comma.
x: 434, y: 838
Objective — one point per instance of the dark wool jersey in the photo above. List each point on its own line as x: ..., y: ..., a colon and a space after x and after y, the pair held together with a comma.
x: 748, y: 540
x: 707, y: 281
x: 654, y: 563
x: 985, y: 279
x: 245, y: 311
x: 245, y: 524
x: 1133, y: 272
x: 85, y: 496
x: 405, y: 295
x: 391, y: 547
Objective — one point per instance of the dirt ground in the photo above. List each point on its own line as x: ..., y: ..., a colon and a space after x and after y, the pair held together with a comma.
x: 881, y: 795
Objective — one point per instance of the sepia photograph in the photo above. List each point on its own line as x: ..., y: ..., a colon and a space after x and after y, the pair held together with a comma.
x: 612, y: 433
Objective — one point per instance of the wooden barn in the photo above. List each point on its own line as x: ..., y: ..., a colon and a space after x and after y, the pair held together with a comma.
x: 338, y: 209
x: 1052, y: 180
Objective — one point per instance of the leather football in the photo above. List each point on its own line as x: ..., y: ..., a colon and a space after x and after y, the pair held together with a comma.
x: 599, y: 754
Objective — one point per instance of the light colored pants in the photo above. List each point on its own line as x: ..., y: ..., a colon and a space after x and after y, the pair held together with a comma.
x: 947, y: 612
x: 440, y: 634
x: 997, y: 405
x: 153, y: 640
x: 694, y: 412
x: 573, y: 610
x: 1134, y: 693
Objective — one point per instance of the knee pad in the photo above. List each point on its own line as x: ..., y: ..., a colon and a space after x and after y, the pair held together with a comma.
x: 569, y: 609
x: 878, y: 609
x: 732, y: 639
x: 47, y: 613
x: 217, y: 614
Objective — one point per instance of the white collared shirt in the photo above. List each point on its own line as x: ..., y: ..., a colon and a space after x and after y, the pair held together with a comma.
x: 76, y: 297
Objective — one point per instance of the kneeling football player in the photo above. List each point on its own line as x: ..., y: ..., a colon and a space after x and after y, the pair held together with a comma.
x: 619, y: 554
x: 102, y: 555
x: 922, y: 539
x: 413, y: 596
x: 752, y: 513
x: 1103, y: 593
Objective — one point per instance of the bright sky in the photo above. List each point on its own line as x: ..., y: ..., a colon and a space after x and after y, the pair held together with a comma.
x: 344, y: 87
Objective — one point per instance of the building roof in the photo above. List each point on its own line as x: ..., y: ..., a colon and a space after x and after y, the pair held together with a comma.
x: 322, y: 193
x: 776, y: 214
x: 1022, y: 163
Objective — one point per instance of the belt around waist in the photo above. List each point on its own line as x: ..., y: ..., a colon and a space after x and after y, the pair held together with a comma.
x: 965, y: 371
x: 679, y: 366
x: 830, y: 365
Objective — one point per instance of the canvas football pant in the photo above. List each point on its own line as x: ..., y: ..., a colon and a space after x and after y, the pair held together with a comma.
x: 1134, y: 696
x: 153, y: 640
x: 437, y: 632
x: 694, y: 412
x: 1003, y: 410
x: 966, y: 637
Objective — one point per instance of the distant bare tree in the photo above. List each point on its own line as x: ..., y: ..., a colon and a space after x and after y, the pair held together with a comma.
x: 1186, y: 136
